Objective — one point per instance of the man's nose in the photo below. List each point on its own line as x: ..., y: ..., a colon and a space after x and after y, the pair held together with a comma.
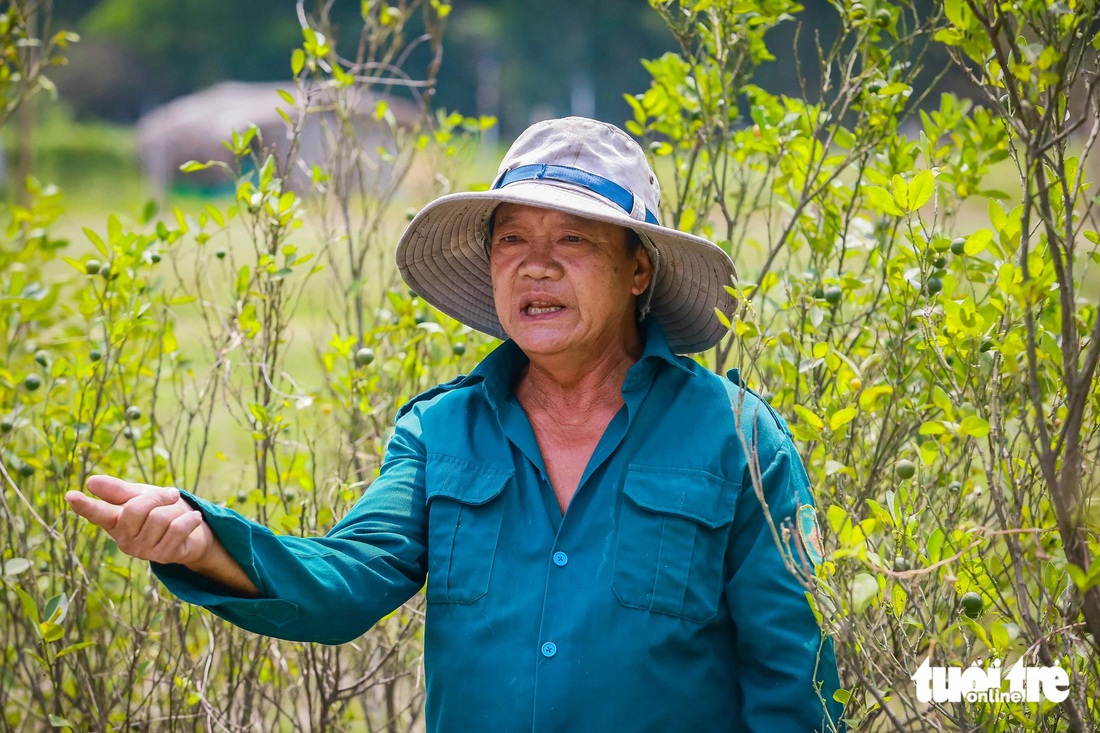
x: 540, y: 261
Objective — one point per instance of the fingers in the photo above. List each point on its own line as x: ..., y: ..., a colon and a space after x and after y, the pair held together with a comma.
x: 147, y: 522
x: 156, y: 507
x: 177, y: 544
x: 94, y: 510
x: 117, y: 491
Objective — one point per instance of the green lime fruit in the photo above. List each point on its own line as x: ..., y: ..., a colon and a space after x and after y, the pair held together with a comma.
x: 95, y: 354
x: 459, y: 348
x: 987, y: 344
x: 133, y: 413
x: 905, y: 468
x: 220, y: 254
x: 410, y: 214
x: 833, y: 294
x: 934, y: 285
x: 940, y: 262
x: 26, y: 470
x: 900, y: 563
x: 92, y: 266
x: 364, y: 356
x: 819, y: 292
x: 32, y: 382
x: 420, y: 319
x: 972, y: 604
x: 6, y: 426
x: 154, y: 257
x: 958, y: 246
x: 42, y: 358
x: 131, y: 433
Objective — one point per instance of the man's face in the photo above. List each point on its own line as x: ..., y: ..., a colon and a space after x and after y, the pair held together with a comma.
x: 564, y: 285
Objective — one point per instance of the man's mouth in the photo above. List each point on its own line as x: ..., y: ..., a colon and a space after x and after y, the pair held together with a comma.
x: 537, y: 308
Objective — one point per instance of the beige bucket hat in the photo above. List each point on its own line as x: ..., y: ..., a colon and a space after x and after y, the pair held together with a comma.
x: 585, y: 168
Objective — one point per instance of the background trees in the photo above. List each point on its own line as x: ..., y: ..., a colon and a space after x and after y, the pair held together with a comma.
x: 919, y: 287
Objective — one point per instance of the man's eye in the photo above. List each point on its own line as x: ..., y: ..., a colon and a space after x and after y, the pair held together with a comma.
x: 572, y: 238
x: 508, y: 239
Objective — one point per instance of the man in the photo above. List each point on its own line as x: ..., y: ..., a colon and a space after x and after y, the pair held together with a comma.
x: 582, y: 504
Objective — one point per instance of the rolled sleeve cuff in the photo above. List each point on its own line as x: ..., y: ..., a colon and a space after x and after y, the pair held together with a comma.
x: 235, y: 534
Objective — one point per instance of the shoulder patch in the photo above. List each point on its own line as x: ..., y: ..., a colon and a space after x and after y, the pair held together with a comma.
x: 810, y: 534
x: 459, y: 381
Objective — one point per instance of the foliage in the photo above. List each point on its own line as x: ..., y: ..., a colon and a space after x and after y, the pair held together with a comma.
x: 925, y: 311
x: 176, y: 334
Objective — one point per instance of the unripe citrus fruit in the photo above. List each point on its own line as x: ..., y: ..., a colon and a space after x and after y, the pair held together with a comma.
x: 364, y: 356
x: 92, y: 266
x: 32, y: 382
x: 833, y: 294
x: 905, y: 468
x: 133, y: 413
x: 971, y: 604
x: 958, y: 246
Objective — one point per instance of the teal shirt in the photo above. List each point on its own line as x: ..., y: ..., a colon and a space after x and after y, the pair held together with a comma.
x: 658, y: 602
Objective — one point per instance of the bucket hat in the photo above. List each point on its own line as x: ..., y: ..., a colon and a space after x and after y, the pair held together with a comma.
x: 589, y: 169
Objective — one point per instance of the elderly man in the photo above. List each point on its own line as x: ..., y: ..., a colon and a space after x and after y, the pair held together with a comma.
x: 582, y: 504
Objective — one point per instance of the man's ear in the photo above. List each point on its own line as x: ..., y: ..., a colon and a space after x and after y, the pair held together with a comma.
x: 643, y: 271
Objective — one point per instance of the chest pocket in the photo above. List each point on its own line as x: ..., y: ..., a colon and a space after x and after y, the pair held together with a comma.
x: 464, y: 517
x: 673, y: 531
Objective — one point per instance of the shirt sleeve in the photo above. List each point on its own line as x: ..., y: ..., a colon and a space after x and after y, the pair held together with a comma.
x: 327, y: 589
x: 786, y: 665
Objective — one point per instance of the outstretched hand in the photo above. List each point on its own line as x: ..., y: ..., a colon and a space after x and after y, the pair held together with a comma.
x: 148, y: 522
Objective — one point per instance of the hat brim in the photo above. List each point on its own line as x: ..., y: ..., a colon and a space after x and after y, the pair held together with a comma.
x: 442, y: 256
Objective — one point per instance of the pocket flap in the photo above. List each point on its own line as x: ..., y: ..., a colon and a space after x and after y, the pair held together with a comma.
x: 463, y: 481
x: 697, y: 495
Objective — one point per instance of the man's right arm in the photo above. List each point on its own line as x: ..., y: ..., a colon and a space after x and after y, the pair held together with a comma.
x: 328, y: 589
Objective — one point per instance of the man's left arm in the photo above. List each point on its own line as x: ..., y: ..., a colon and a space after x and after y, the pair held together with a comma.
x: 786, y: 665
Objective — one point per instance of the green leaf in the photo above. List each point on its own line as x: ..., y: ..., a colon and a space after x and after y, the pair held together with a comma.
x: 244, y: 277
x: 898, y: 597
x: 842, y: 696
x: 840, y: 418
x: 974, y: 426
x: 978, y: 241
x: 870, y: 396
x: 193, y: 165
x: 56, y: 608
x: 901, y: 191
x: 97, y: 240
x: 864, y: 590
x: 921, y: 189
x: 1084, y: 580
x: 808, y: 417
x: 935, y: 545
x: 15, y: 566
x: 929, y: 452
x: 297, y: 61
x: 883, y: 200
x: 30, y: 610
x: 58, y: 722
x: 72, y: 648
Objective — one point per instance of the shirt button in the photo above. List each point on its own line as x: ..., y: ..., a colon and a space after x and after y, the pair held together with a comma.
x: 549, y: 649
x: 560, y: 559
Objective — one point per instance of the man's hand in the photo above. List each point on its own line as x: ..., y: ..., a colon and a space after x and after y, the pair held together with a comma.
x: 155, y: 523
x: 148, y: 522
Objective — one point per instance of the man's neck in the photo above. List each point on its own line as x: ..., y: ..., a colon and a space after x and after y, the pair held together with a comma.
x: 573, y: 390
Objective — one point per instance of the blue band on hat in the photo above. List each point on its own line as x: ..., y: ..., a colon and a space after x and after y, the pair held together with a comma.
x: 610, y: 190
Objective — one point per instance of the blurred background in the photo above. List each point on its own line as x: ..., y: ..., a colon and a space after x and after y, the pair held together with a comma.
x: 518, y: 61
